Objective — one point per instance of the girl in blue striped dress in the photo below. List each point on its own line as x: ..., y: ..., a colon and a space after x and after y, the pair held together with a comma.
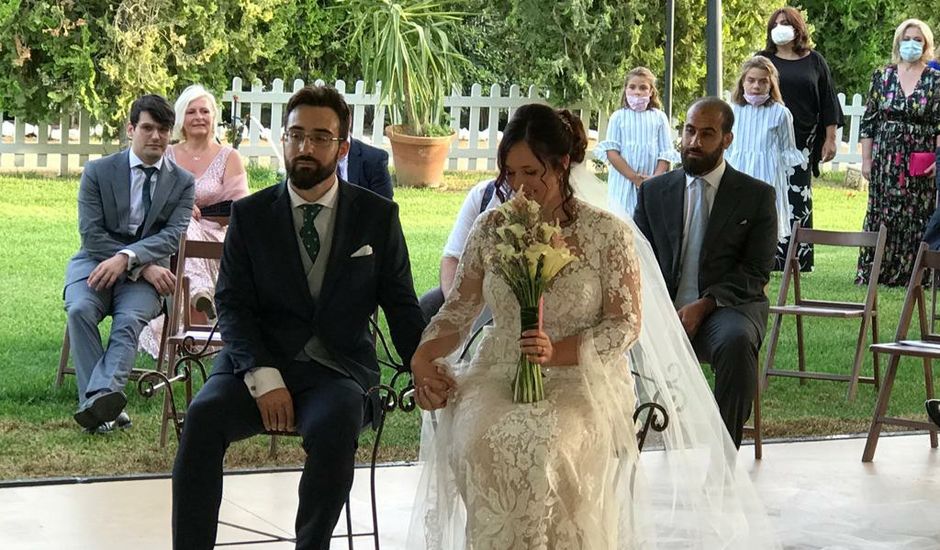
x: 764, y: 146
x: 638, y: 144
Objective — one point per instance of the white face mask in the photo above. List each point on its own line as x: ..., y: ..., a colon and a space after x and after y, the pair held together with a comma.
x: 782, y: 34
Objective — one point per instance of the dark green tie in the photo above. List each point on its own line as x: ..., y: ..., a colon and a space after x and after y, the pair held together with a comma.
x: 308, y: 232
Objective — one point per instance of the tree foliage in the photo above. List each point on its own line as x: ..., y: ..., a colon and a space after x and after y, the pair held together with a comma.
x: 581, y: 49
x: 59, y: 55
x: 855, y: 36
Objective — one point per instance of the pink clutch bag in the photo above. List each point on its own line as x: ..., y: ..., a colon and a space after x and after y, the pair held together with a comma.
x: 920, y: 162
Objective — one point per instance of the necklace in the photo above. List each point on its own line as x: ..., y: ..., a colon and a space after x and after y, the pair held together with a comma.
x: 199, y: 156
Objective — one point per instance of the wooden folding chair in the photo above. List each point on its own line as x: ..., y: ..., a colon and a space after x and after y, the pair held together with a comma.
x: 184, y: 337
x: 64, y: 367
x: 866, y: 311
x: 927, y: 347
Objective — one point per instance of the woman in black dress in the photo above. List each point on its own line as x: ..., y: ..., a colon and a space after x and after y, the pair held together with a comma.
x: 902, y: 117
x: 809, y: 92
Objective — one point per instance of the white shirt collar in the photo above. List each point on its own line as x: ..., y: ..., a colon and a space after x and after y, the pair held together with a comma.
x: 712, y: 178
x: 135, y: 161
x: 328, y: 200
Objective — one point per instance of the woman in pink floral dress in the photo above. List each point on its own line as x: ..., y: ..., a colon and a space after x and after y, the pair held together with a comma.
x: 220, y: 176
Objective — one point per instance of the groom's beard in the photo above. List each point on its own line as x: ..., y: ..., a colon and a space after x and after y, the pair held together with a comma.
x: 305, y: 177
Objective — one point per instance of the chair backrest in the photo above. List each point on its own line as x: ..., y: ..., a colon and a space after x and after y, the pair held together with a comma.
x: 188, y: 250
x: 927, y: 263
x: 854, y: 239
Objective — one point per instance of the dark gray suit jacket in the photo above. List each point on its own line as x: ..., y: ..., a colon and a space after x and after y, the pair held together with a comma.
x: 740, y: 242
x: 104, y: 211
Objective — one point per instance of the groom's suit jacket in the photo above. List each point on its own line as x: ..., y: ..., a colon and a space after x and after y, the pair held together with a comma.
x: 266, y: 311
x: 104, y: 204
x: 739, y: 245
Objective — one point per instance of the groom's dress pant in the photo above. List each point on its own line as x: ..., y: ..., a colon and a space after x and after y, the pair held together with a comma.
x: 729, y: 341
x: 131, y: 305
x: 328, y: 415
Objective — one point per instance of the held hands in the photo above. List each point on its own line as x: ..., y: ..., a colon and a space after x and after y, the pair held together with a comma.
x: 277, y: 410
x: 197, y: 214
x: 537, y: 346
x: 108, y: 272
x: 161, y: 278
x: 692, y: 315
x: 434, y: 383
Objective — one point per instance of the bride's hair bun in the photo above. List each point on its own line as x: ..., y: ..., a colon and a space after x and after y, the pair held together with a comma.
x: 579, y: 140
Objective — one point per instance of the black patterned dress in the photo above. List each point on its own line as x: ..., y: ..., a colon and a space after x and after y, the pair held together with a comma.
x: 898, y: 126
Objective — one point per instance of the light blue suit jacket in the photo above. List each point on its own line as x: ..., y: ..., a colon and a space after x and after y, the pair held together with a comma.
x: 104, y: 213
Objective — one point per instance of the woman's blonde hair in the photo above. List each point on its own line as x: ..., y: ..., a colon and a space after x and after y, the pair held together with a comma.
x: 899, y: 33
x: 641, y: 72
x: 764, y: 64
x: 190, y: 94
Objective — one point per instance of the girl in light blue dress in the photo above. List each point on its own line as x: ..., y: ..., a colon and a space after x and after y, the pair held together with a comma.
x: 764, y: 145
x: 638, y: 144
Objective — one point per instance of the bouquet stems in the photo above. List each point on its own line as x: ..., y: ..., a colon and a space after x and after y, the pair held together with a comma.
x: 528, y: 386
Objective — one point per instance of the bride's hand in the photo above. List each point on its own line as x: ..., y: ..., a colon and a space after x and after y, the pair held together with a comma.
x: 537, y: 346
x: 433, y: 384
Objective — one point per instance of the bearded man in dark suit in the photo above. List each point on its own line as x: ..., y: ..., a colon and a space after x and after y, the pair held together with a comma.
x: 713, y: 230
x: 305, y: 265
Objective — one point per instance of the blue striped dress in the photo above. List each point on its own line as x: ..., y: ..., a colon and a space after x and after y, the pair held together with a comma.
x: 642, y: 139
x: 764, y: 147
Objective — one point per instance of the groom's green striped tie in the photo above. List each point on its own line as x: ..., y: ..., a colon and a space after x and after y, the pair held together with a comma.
x: 308, y: 232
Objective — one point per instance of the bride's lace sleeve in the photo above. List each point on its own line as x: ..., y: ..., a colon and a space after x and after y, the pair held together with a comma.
x: 620, y: 321
x: 465, y: 301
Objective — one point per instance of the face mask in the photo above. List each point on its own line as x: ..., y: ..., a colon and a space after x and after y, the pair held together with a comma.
x: 911, y: 50
x: 782, y: 34
x: 638, y: 103
x: 756, y: 99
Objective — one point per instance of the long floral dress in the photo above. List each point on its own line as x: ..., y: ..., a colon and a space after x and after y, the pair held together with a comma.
x: 898, y: 126
x: 537, y: 476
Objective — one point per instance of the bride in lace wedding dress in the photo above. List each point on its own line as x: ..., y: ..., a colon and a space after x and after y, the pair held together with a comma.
x: 565, y: 472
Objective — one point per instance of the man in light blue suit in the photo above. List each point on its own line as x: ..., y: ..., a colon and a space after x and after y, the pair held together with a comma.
x: 133, y: 206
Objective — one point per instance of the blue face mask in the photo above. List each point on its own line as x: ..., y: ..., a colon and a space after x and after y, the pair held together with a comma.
x: 911, y: 50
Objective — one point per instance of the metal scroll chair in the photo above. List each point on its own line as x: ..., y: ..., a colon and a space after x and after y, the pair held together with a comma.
x: 866, y: 312
x: 926, y: 346
x: 397, y: 393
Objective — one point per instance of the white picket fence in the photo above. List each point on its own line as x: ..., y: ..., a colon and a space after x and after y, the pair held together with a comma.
x: 43, y: 147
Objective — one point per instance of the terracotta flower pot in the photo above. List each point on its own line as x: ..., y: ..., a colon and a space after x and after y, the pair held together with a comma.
x: 419, y: 161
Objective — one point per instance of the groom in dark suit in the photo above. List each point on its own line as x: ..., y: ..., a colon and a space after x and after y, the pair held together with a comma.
x: 305, y: 265
x: 714, y: 233
x: 133, y: 206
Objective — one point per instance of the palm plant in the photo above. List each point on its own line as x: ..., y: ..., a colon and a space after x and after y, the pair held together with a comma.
x: 406, y: 45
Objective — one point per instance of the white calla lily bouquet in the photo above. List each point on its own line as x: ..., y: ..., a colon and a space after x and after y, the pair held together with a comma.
x: 528, y: 254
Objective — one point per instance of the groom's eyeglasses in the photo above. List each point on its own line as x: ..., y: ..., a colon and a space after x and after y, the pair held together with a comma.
x: 319, y: 140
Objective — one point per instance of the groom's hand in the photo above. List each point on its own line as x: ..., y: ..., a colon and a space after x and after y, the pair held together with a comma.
x: 692, y: 315
x: 277, y: 410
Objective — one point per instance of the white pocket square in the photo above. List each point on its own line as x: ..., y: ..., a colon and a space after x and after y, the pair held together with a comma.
x: 742, y: 222
x: 366, y: 250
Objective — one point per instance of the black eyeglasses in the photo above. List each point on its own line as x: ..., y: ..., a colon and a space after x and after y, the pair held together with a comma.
x: 320, y: 140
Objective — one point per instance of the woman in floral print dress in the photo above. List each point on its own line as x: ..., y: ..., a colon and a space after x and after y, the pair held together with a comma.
x: 902, y: 116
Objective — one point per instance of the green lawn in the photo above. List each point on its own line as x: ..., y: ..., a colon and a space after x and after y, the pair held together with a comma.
x: 38, y: 437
